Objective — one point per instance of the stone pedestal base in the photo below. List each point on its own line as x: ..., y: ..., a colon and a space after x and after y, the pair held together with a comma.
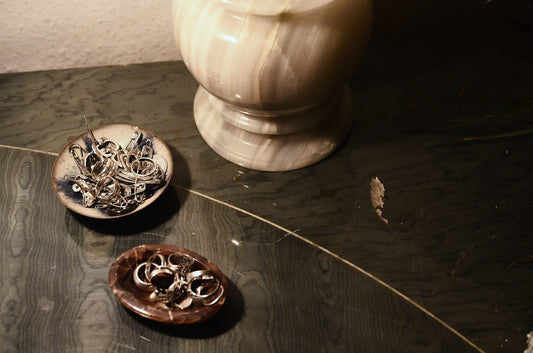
x: 273, y: 141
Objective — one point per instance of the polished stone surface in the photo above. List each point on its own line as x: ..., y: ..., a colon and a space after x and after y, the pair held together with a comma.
x: 273, y: 152
x: 271, y: 85
x: 284, y: 294
x: 443, y: 118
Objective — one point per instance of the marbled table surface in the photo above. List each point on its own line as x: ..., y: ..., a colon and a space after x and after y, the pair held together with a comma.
x: 311, y: 266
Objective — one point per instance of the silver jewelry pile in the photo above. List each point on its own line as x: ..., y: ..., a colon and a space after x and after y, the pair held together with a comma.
x: 115, y: 178
x: 171, y: 281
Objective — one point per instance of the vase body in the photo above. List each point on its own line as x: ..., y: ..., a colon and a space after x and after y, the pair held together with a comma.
x: 272, y: 75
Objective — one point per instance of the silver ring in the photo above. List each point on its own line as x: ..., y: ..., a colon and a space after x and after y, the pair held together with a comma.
x: 205, y: 289
x: 106, y: 188
x: 143, y: 168
x: 156, y: 260
x: 200, y: 274
x: 162, y: 278
x: 214, y: 301
x: 139, y: 282
x: 107, y: 148
x: 180, y: 262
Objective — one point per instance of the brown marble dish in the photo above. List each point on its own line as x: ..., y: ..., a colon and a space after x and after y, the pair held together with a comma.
x: 138, y: 301
x: 65, y: 169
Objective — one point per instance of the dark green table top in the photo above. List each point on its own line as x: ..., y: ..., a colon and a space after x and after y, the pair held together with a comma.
x: 444, y: 122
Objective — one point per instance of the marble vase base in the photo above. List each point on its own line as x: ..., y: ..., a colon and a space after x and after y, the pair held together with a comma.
x: 272, y: 141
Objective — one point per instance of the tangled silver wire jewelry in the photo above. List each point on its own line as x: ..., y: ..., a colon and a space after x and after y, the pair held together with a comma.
x: 117, y: 178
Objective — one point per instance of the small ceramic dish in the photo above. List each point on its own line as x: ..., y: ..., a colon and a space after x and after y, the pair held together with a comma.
x: 123, y: 286
x: 66, y: 169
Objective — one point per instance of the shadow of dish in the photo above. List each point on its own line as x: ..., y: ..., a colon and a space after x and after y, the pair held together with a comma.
x: 181, y: 174
x: 226, y: 318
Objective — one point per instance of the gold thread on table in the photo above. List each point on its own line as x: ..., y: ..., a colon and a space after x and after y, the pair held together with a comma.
x: 30, y: 150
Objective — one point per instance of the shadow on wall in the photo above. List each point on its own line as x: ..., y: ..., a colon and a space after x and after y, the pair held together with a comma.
x: 452, y: 22
x: 421, y: 34
x: 435, y: 65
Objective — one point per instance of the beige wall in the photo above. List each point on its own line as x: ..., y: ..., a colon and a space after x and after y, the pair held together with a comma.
x: 55, y: 34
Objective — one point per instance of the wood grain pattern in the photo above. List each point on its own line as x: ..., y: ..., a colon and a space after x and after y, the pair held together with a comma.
x: 456, y: 209
x: 284, y: 295
x: 445, y: 231
x: 459, y: 211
